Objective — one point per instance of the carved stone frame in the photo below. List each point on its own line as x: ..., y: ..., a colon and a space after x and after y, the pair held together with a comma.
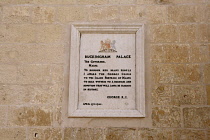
x: 76, y: 31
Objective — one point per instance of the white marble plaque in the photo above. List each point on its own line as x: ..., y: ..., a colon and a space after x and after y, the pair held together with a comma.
x: 107, y: 71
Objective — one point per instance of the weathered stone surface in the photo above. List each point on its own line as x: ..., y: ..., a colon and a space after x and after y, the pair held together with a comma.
x: 131, y: 13
x: 16, y: 1
x: 186, y: 13
x: 185, y: 134
x: 164, y: 33
x: 187, y: 33
x: 57, y: 116
x: 52, y: 33
x: 103, y: 13
x: 30, y: 94
x: 122, y: 2
x: 169, y: 73
x: 157, y: 14
x: 208, y: 94
x: 32, y: 53
x: 34, y: 74
x: 203, y: 33
x: 30, y: 116
x: 207, y: 73
x: 120, y: 134
x: 54, y: 1
x: 186, y: 1
x: 75, y: 13
x: 3, y: 33
x: 157, y: 54
x: 43, y: 14
x: 166, y: 117
x: 45, y: 134
x: 196, y: 117
x: 16, y: 14
x: 13, y: 133
x: 188, y: 95
x: 92, y: 2
x: 199, y: 54
x: 14, y: 33
x: 170, y: 53
x: 83, y: 134
x: 193, y: 73
x: 208, y: 13
x: 161, y: 95
x: 146, y: 1
x: 8, y: 74
x: 57, y: 73
x: 3, y: 112
x: 154, y: 134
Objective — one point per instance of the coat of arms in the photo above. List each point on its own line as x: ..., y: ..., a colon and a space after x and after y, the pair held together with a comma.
x: 108, y: 46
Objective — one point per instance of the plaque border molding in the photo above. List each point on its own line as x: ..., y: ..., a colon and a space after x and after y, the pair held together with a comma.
x: 76, y: 31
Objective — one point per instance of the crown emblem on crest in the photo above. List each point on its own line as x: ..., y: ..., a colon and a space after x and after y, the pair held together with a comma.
x: 108, y: 46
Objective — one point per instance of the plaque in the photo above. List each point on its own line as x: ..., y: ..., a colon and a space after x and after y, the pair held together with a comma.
x: 107, y: 71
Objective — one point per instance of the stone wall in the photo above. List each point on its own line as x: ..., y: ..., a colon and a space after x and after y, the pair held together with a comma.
x: 34, y: 65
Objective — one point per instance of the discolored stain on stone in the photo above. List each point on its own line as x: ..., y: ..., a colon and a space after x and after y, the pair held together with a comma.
x: 121, y: 134
x: 197, y: 117
x: 30, y: 116
x: 186, y: 134
x: 45, y: 134
x: 154, y: 134
x: 188, y: 95
x: 12, y: 134
x: 166, y: 117
x: 83, y: 134
x: 161, y: 95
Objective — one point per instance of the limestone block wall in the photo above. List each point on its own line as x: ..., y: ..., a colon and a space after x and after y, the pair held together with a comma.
x: 34, y: 65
